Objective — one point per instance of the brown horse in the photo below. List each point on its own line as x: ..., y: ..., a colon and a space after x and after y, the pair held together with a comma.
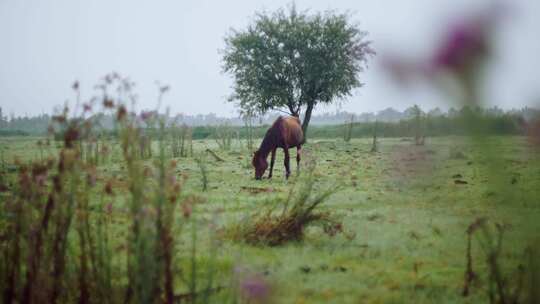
x: 285, y: 133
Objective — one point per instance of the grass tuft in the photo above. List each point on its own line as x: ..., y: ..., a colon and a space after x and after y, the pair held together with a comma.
x: 299, y: 211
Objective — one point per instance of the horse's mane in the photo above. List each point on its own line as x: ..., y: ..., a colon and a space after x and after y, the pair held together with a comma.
x: 273, y: 134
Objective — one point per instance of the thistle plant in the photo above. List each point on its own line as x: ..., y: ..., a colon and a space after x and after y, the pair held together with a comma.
x: 56, y: 238
x: 461, y: 58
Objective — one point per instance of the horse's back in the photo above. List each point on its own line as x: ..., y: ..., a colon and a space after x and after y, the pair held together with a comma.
x: 292, y: 131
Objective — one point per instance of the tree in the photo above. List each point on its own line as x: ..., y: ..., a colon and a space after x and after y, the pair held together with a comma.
x: 389, y: 115
x: 416, y: 114
x: 294, y: 60
x: 437, y: 112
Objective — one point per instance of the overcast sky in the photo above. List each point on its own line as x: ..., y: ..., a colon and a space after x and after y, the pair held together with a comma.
x: 46, y: 45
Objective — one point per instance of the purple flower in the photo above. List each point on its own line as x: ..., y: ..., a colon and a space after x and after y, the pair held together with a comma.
x: 87, y: 107
x: 40, y: 179
x: 468, y: 42
x: 255, y: 288
x: 145, y: 115
x: 109, y: 208
x: 465, y: 44
x: 91, y: 178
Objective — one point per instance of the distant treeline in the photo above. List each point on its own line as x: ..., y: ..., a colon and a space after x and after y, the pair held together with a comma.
x: 436, y: 126
x: 432, y: 123
x: 433, y: 126
x: 507, y: 124
x: 13, y: 133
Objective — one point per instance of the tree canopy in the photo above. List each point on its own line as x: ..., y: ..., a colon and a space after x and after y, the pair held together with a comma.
x: 290, y: 60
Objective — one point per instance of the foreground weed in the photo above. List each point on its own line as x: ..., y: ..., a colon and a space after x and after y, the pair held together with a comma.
x: 56, y: 246
x: 201, y: 163
x: 518, y: 286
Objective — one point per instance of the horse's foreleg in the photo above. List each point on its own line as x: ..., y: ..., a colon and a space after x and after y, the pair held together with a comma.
x: 298, y: 153
x: 287, y: 159
x: 273, y: 158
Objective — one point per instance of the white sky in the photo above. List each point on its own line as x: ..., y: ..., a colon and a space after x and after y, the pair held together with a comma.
x: 46, y: 45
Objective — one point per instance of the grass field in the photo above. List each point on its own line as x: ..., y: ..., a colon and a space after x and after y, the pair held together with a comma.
x: 405, y: 211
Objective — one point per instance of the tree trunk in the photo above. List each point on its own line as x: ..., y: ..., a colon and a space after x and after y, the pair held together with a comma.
x: 307, y: 118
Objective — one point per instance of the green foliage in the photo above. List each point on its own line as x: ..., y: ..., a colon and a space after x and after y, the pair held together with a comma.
x: 405, y: 231
x: 429, y: 126
x: 293, y: 60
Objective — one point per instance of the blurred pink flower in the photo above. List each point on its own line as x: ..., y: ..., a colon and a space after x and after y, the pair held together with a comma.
x: 466, y: 43
x: 255, y: 288
x: 87, y: 107
x: 40, y: 179
x: 91, y: 178
x: 464, y: 46
x: 109, y: 208
x: 108, y: 103
x: 145, y: 115
x: 187, y: 209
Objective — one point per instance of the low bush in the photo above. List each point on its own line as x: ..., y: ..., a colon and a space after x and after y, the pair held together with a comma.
x: 286, y: 220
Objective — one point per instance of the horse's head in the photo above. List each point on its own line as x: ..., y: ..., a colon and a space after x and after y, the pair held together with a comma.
x: 260, y: 164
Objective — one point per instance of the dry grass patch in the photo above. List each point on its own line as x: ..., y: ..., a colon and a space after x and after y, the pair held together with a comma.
x: 286, y: 220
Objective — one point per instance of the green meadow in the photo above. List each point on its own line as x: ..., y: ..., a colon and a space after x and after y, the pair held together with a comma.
x: 404, y: 211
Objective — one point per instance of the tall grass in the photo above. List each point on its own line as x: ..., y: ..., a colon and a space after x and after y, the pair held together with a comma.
x: 504, y: 285
x: 375, y: 143
x: 201, y: 163
x: 181, y: 140
x: 286, y: 220
x: 249, y: 132
x: 223, y: 136
x: 347, y: 134
x: 56, y: 241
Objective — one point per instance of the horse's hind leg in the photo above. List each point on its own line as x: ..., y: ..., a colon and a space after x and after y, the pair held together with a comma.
x: 298, y: 153
x: 287, y: 160
x: 272, y: 160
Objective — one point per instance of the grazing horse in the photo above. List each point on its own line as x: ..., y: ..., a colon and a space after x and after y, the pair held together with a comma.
x: 285, y: 133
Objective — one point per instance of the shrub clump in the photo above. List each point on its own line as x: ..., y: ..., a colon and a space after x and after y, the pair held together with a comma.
x: 272, y: 227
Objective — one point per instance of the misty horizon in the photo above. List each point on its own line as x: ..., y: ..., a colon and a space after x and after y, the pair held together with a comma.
x: 48, y: 47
